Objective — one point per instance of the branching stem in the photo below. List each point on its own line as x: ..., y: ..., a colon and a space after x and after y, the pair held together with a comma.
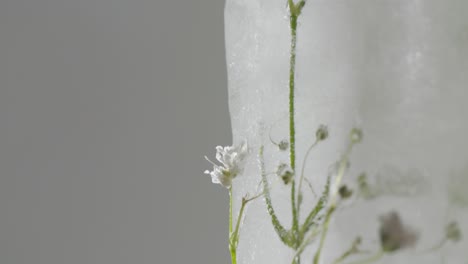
x: 295, y: 11
x: 292, y: 128
x: 234, y: 236
x: 301, y: 179
x: 333, y: 203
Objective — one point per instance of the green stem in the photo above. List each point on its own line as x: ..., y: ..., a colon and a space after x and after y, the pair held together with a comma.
x: 324, y: 234
x: 280, y: 230
x: 309, y: 221
x: 232, y: 247
x: 230, y: 210
x: 234, y: 236
x: 305, y: 243
x: 342, y: 257
x: 297, y: 259
x: 341, y: 170
x: 437, y: 246
x: 301, y: 179
x: 239, y: 219
x: 372, y: 259
x: 233, y: 256
x: 295, y: 11
x: 352, y: 250
x: 292, y: 128
x: 292, y: 70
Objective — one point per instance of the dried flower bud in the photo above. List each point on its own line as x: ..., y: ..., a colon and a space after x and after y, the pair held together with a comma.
x: 321, y: 133
x: 285, y: 173
x: 394, y: 235
x: 356, y: 135
x: 345, y: 192
x: 283, y: 145
x: 452, y: 232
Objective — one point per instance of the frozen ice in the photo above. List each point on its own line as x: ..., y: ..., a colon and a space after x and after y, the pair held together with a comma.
x: 397, y: 69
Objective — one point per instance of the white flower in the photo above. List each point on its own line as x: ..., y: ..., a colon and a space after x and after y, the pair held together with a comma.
x: 232, y: 164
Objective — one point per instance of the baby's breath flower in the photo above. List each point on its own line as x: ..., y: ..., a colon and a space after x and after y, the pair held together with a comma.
x: 232, y: 164
x: 394, y: 235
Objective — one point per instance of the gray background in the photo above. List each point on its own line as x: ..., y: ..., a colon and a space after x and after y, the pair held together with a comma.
x: 107, y: 108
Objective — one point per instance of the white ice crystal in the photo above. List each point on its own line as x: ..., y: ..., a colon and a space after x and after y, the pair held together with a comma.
x: 232, y: 164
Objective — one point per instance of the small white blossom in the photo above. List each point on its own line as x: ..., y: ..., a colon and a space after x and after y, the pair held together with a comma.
x: 232, y: 164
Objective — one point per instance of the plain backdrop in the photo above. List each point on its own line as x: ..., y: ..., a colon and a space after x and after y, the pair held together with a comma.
x: 107, y: 108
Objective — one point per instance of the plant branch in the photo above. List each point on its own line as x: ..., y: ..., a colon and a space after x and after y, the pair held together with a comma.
x: 302, y: 176
x: 292, y: 128
x: 232, y: 247
x: 279, y: 229
x: 333, y: 203
x: 309, y: 221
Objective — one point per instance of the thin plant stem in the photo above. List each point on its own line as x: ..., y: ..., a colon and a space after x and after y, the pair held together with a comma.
x: 341, y: 170
x: 303, y: 165
x: 233, y: 256
x: 230, y: 210
x: 234, y: 236
x: 292, y: 72
x: 239, y: 219
x: 295, y: 11
x: 232, y: 247
x: 292, y: 128
x: 324, y: 234
x: 342, y: 257
x: 305, y: 243
x: 352, y: 250
x: 438, y: 246
x: 376, y: 257
x: 280, y: 230
x: 301, y: 179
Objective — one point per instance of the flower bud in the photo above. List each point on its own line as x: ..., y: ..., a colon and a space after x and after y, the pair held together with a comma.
x: 345, y: 192
x: 356, y: 135
x: 283, y: 145
x: 321, y: 133
x: 285, y: 173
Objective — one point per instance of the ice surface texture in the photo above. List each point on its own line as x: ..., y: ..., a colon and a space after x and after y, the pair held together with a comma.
x: 396, y: 69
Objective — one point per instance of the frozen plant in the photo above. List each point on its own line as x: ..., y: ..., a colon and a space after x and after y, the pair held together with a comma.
x: 394, y: 236
x: 232, y: 159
